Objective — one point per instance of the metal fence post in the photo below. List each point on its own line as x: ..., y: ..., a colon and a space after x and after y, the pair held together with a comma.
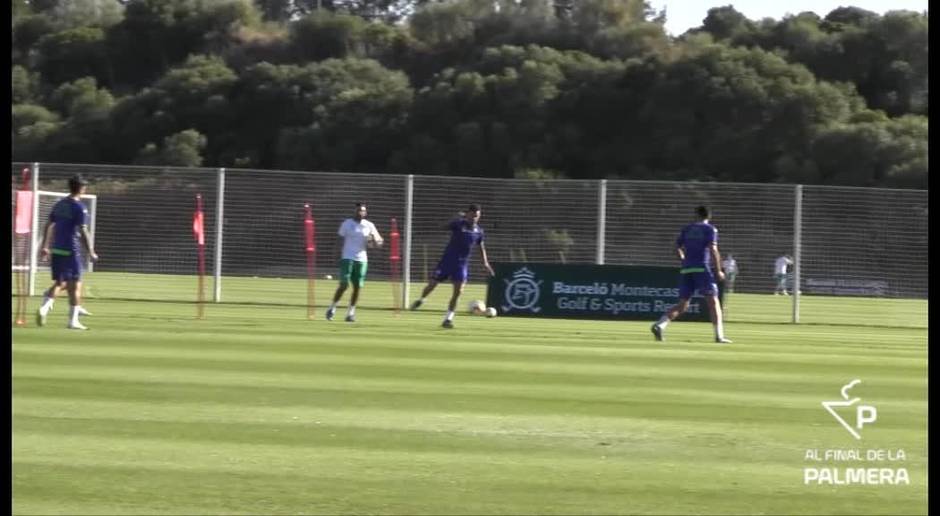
x: 409, y: 203
x: 797, y: 251
x: 601, y: 221
x: 36, y: 239
x: 219, y: 223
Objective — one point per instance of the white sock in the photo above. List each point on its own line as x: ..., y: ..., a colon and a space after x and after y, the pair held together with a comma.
x: 352, y: 310
x: 47, y: 303
x: 73, y: 314
x: 663, y: 321
x: 450, y: 315
x: 719, y: 330
x: 333, y: 306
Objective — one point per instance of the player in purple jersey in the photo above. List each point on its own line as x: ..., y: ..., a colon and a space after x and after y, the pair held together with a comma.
x: 454, y: 264
x: 67, y: 225
x: 697, y: 247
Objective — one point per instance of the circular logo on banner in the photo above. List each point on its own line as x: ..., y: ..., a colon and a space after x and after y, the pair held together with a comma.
x: 523, y: 292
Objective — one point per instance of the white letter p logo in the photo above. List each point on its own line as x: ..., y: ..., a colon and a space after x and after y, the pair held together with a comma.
x: 865, y: 414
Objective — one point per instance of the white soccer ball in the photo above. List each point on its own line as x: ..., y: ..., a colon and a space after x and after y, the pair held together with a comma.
x: 329, y: 276
x: 490, y: 312
x: 477, y: 307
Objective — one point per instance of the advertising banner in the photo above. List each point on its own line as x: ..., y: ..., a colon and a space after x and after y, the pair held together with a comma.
x: 628, y: 292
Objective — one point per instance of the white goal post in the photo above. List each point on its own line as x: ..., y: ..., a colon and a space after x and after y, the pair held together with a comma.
x: 46, y: 200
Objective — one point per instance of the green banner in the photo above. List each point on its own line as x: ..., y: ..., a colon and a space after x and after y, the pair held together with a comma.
x: 590, y: 291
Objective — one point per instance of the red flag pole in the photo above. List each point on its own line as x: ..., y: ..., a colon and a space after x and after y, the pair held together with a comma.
x: 395, y: 262
x: 199, y: 234
x: 21, y: 244
x: 311, y: 251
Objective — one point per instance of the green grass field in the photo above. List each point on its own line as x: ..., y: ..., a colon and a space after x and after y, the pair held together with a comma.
x: 256, y: 410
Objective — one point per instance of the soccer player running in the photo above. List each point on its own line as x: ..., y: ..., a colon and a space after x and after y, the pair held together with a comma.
x: 697, y: 248
x: 357, y: 233
x: 465, y: 232
x: 67, y: 225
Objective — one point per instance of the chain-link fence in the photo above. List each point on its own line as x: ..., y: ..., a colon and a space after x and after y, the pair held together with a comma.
x: 853, y: 241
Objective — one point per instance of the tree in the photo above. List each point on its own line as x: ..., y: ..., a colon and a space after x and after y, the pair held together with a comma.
x: 25, y: 85
x: 70, y: 14
x: 726, y: 23
x: 359, y: 111
x: 323, y: 35
x: 182, y: 149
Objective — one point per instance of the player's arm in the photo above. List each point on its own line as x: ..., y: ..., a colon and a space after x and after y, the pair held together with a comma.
x: 341, y: 241
x: 86, y: 240
x: 680, y: 252
x: 716, y: 259
x: 376, y: 237
x: 486, y: 262
x: 46, y: 237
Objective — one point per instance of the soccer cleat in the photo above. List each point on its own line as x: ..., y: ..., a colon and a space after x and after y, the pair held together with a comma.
x: 723, y: 340
x: 447, y: 323
x: 657, y: 332
x: 417, y: 304
x: 82, y: 311
x: 329, y: 314
x: 350, y: 318
x: 77, y: 326
x: 40, y: 318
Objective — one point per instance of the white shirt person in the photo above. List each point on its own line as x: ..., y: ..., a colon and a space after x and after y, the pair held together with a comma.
x: 357, y: 234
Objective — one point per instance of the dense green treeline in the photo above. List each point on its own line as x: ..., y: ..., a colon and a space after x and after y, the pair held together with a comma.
x: 573, y: 88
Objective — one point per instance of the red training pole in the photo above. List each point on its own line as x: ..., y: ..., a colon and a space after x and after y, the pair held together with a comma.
x: 199, y: 235
x: 311, y: 250
x: 395, y: 261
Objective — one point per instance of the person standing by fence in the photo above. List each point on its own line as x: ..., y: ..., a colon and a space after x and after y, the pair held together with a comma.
x: 730, y: 268
x: 780, y: 274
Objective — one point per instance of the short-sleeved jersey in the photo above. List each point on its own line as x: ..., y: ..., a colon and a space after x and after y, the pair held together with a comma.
x: 729, y: 265
x: 780, y: 266
x: 68, y: 215
x: 696, y: 239
x: 356, y: 235
x: 463, y: 236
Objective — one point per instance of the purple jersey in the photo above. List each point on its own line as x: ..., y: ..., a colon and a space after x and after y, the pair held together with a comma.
x: 463, y: 236
x: 68, y: 215
x: 696, y: 239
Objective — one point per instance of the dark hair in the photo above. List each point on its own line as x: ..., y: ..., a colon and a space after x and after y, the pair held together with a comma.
x: 473, y: 207
x: 360, y: 205
x: 76, y: 183
x: 703, y: 212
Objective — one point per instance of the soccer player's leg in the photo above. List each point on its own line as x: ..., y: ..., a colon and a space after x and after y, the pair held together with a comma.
x: 357, y: 280
x: 686, y: 289
x: 345, y: 275
x: 460, y: 281
x: 440, y: 274
x: 73, y: 275
x: 705, y: 283
x: 57, y: 265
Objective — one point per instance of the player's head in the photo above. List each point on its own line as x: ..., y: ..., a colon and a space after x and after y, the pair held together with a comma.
x: 77, y: 185
x: 473, y: 213
x: 703, y: 213
x: 361, y: 210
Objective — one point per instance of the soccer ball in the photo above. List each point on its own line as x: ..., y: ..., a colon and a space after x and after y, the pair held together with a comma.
x: 477, y: 307
x: 490, y: 312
